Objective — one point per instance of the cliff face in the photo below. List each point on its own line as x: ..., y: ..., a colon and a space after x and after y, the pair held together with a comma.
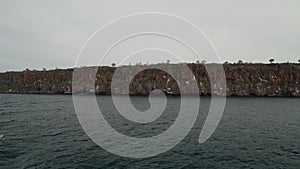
x: 242, y: 80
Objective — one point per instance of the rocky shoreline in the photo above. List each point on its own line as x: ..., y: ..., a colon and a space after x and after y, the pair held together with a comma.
x: 276, y: 80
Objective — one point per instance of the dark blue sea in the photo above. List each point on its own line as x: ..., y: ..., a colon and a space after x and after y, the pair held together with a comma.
x: 42, y: 131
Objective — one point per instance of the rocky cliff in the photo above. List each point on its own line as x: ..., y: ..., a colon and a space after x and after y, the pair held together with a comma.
x: 242, y: 80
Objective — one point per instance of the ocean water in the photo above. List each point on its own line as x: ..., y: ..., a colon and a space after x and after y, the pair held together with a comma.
x: 42, y: 131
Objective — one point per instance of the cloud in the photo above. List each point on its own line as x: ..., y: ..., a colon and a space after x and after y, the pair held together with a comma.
x: 49, y: 34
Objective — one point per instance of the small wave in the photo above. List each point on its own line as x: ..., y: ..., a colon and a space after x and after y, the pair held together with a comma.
x: 7, y: 121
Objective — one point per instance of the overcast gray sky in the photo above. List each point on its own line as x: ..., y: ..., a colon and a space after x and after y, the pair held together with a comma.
x: 48, y: 34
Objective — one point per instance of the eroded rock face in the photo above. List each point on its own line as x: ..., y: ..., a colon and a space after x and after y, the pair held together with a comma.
x: 242, y: 80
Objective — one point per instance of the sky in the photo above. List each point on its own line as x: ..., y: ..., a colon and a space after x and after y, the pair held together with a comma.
x: 49, y: 34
